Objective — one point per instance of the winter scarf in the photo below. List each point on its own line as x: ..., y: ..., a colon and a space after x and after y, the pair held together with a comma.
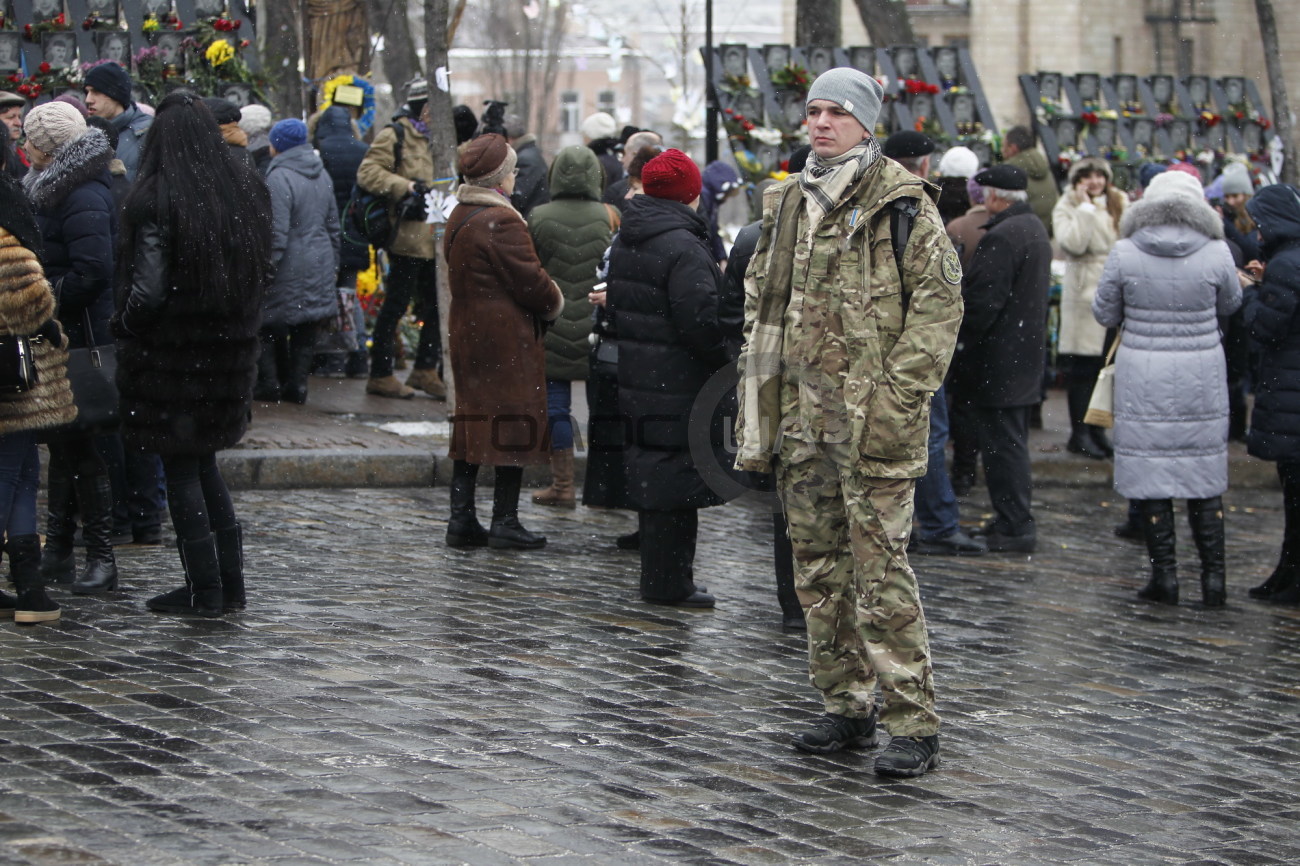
x: 825, y: 180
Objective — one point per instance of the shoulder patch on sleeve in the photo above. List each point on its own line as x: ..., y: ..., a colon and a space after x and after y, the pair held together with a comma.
x: 951, y: 267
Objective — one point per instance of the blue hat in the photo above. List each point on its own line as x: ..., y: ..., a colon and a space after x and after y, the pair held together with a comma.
x: 288, y: 134
x: 1149, y: 171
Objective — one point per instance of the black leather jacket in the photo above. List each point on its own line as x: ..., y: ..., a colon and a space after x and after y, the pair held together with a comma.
x: 141, y: 303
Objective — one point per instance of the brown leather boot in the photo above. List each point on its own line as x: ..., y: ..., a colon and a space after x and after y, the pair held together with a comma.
x: 560, y: 493
x: 388, y: 386
x: 429, y: 382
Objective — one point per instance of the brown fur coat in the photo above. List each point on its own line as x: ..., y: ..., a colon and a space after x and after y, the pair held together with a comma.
x: 26, y: 304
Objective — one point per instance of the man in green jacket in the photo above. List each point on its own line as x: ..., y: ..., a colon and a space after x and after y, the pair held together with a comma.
x: 845, y: 341
x: 1018, y: 150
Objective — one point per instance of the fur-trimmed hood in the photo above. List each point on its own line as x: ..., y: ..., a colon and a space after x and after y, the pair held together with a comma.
x: 77, y: 162
x: 1172, y: 226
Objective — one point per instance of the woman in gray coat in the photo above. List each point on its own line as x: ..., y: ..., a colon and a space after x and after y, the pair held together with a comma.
x: 1166, y: 282
x: 305, y: 253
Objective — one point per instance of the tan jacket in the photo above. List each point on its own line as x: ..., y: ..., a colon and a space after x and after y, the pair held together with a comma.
x: 380, y: 176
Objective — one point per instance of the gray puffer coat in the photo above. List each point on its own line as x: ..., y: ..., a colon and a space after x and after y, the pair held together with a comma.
x: 304, y: 240
x: 1168, y: 280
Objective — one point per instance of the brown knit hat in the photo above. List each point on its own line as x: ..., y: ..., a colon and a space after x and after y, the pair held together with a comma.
x: 487, y: 160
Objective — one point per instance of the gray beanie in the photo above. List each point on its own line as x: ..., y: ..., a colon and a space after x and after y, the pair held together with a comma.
x: 857, y: 92
x: 1236, y: 180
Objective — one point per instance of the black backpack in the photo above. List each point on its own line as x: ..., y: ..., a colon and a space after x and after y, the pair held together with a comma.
x: 367, y: 214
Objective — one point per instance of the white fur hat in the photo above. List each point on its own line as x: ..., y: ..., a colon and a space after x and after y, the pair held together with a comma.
x: 959, y: 162
x: 1171, y: 184
x: 599, y: 125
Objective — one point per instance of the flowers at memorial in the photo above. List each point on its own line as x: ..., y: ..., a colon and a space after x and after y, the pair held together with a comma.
x: 219, y: 52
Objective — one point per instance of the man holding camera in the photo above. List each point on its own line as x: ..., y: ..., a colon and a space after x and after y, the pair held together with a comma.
x: 399, y: 167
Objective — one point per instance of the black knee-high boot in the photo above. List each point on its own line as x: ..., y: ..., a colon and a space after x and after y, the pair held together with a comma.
x: 1286, y: 576
x: 230, y: 562
x: 1206, y: 518
x: 95, y: 495
x: 1158, y: 527
x: 463, y: 528
x: 58, y: 564
x: 506, y: 531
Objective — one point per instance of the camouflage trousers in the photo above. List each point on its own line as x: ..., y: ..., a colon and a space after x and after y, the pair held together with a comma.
x: 859, y: 595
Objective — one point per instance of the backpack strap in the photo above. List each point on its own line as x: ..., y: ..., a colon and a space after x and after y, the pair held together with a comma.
x: 451, y: 239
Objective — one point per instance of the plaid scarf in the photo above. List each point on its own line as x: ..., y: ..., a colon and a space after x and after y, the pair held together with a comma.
x: 824, y: 180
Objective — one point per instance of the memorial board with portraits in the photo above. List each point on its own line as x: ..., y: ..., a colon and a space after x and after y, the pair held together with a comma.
x: 905, y: 62
x: 820, y: 58
x: 11, y: 52
x: 114, y: 45
x: 59, y: 49
x: 863, y: 58
x: 948, y: 65
x: 168, y: 43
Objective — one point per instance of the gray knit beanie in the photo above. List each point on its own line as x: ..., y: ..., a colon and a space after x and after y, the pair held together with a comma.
x: 1236, y: 180
x: 857, y: 92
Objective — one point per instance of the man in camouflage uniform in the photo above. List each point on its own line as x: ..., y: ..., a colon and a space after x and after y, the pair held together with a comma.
x: 845, y: 342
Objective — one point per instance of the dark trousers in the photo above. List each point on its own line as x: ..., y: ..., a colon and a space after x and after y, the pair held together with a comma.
x: 961, y: 432
x: 407, y: 278
x: 936, y: 505
x: 285, y: 361
x: 197, y: 496
x: 667, y: 553
x: 1288, y: 472
x: 1004, y: 446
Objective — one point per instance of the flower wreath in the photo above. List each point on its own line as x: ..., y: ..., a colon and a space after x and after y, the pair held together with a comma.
x: 367, y: 118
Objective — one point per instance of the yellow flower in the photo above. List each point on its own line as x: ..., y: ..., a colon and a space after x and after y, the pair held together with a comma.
x: 368, y: 280
x: 219, y: 52
x: 150, y: 24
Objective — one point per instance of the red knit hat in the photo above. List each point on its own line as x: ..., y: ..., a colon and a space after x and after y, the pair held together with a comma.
x: 672, y: 175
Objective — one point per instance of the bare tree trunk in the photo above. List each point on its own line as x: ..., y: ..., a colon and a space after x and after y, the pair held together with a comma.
x: 817, y: 22
x: 389, y: 19
x: 887, y: 22
x: 551, y: 69
x: 1277, y: 85
x: 442, y: 144
x: 281, y: 53
x: 336, y: 38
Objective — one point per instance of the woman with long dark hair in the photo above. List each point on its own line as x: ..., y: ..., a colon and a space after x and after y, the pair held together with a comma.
x: 193, y: 263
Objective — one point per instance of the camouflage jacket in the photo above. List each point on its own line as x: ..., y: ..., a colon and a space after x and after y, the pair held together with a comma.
x: 834, y: 329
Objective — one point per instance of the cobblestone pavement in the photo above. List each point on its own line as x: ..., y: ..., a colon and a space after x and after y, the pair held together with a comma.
x: 385, y: 700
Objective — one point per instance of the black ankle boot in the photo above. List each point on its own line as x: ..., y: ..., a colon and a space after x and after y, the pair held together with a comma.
x: 1206, y: 518
x: 1158, y: 526
x: 463, y: 528
x: 1101, y: 440
x: 32, y: 604
x: 58, y: 563
x: 201, y: 594
x: 230, y: 562
x: 506, y: 532
x: 95, y: 496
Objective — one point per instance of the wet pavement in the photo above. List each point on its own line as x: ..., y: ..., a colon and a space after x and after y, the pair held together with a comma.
x: 386, y: 700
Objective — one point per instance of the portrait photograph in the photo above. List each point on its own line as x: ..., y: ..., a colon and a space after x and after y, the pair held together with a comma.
x: 11, y: 52
x: 1144, y: 133
x: 60, y: 49
x: 734, y: 61
x: 820, y: 58
x: 776, y: 57
x: 904, y: 57
x: 114, y: 45
x: 209, y: 8
x: 921, y: 105
x: 156, y: 8
x: 1215, y: 137
x: 104, y: 10
x: 963, y: 108
x: 1104, y: 132
x: 945, y: 60
x: 168, y: 43
x: 1180, y: 134
x: 750, y: 105
x: 1198, y: 89
x: 44, y: 10
x: 1089, y: 86
x: 792, y: 107
x: 1162, y: 88
x: 1126, y: 89
x: 1067, y: 131
x: 1234, y: 88
x: 863, y: 58
x: 1049, y: 86
x: 238, y: 95
x: 1252, y: 138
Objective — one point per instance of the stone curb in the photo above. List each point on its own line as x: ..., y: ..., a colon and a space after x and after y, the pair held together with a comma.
x: 314, y: 468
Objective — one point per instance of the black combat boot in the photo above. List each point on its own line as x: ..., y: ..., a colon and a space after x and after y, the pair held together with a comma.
x: 506, y: 532
x: 833, y: 732
x: 32, y: 604
x: 463, y: 528
x: 909, y: 756
x: 59, y: 563
x: 1158, y: 526
x: 201, y: 594
x: 1206, y: 518
x: 230, y: 562
x: 95, y: 495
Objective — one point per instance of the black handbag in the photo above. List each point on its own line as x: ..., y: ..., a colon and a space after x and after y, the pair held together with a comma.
x: 17, y: 365
x: 92, y: 373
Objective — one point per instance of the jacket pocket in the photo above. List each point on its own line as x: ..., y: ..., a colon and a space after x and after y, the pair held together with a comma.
x: 897, y: 423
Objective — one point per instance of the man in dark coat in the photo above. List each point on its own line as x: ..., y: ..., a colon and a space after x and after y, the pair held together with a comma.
x: 108, y: 95
x: 530, y: 179
x: 663, y: 289
x: 1001, y: 344
x: 11, y: 116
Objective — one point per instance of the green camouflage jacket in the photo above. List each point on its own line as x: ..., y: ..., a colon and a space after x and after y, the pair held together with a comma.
x: 839, y: 345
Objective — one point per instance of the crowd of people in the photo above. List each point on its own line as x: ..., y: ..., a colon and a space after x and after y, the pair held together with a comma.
x: 869, y: 323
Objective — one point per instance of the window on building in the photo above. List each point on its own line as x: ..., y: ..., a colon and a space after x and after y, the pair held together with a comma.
x: 605, y: 101
x: 570, y: 111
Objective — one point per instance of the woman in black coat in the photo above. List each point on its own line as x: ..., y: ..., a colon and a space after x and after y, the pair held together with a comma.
x: 1271, y: 316
x: 663, y: 289
x: 194, y: 262
x: 69, y: 187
